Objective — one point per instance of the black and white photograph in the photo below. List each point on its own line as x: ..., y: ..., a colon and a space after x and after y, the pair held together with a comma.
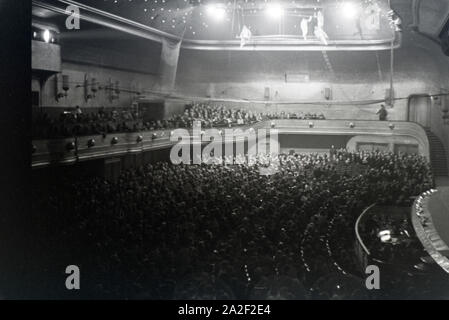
x: 244, y: 151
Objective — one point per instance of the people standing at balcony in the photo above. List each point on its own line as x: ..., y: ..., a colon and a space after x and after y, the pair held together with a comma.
x: 383, y: 113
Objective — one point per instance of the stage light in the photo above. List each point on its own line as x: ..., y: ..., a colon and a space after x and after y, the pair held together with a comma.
x: 46, y: 36
x: 349, y: 10
x: 216, y: 12
x: 274, y: 10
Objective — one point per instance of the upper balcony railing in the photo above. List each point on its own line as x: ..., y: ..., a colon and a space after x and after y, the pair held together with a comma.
x: 78, y: 148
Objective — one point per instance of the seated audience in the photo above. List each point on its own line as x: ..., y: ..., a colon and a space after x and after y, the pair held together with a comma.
x: 184, y: 231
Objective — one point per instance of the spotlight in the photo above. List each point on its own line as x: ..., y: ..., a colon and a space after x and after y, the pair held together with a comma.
x: 349, y: 10
x: 154, y: 136
x: 46, y: 36
x: 310, y: 124
x: 274, y: 10
x: 139, y: 138
x: 216, y: 12
x: 114, y: 140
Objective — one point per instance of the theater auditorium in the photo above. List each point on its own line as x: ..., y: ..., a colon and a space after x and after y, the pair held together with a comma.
x: 239, y: 149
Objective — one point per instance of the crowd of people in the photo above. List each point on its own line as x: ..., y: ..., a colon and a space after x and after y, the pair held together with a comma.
x: 220, y: 115
x: 104, y: 121
x: 166, y: 231
x: 76, y: 122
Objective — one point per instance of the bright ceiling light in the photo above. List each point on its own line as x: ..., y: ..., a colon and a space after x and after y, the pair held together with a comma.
x: 349, y: 10
x: 274, y: 10
x: 47, y: 36
x: 216, y: 12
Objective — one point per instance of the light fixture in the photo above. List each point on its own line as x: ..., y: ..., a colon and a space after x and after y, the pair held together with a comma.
x: 65, y: 83
x: 310, y: 124
x: 93, y: 86
x: 216, y: 12
x: 70, y: 146
x: 352, y: 125
x: 391, y: 125
x: 91, y: 143
x: 113, y: 90
x: 349, y: 10
x: 114, y: 140
x: 87, y: 93
x: 61, y: 81
x: 154, y: 136
x: 385, y: 238
x: 46, y: 35
x: 274, y: 10
x: 139, y: 138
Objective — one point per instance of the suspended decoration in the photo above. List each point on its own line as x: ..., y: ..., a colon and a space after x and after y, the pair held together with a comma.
x: 245, y: 36
x: 319, y: 28
x: 305, y: 26
x: 320, y: 21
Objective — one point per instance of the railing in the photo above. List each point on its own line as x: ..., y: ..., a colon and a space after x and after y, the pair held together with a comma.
x: 425, y: 228
x: 362, y: 252
x: 69, y: 150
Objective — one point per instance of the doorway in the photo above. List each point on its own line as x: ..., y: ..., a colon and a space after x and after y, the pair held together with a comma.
x: 419, y: 108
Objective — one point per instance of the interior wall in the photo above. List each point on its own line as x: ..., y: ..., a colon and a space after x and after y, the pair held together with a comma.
x: 133, y: 63
x: 355, y: 76
x: 420, y: 67
x: 76, y: 94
